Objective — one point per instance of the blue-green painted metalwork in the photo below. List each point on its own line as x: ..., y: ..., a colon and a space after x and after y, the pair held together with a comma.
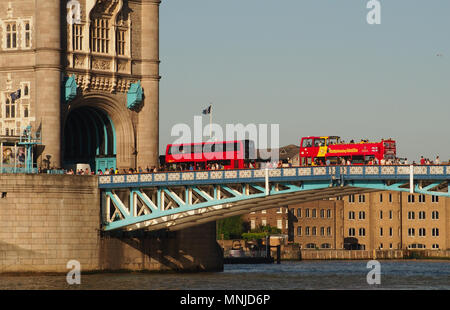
x: 70, y: 88
x: 134, y: 95
x: 29, y: 141
x: 178, y: 197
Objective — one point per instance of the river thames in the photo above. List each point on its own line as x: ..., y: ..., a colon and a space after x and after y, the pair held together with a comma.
x: 289, y: 275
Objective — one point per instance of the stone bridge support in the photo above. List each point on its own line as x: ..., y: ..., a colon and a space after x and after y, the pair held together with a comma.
x: 48, y: 220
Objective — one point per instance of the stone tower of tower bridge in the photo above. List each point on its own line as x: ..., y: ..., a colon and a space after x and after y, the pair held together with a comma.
x: 84, y: 79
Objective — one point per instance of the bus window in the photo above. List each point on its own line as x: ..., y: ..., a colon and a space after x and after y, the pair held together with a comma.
x: 307, y: 143
x: 358, y: 159
x: 309, y: 161
x: 333, y: 160
x: 333, y: 140
x: 319, y: 142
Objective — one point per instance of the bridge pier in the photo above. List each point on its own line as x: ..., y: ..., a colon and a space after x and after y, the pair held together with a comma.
x: 48, y: 220
x: 191, y: 249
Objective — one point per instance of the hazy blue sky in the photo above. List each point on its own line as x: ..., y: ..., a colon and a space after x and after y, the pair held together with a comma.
x: 316, y: 67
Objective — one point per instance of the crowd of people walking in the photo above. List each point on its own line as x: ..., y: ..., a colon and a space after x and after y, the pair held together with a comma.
x: 249, y: 165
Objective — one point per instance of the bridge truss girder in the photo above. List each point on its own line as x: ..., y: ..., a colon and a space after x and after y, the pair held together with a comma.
x: 177, y: 200
x: 132, y: 209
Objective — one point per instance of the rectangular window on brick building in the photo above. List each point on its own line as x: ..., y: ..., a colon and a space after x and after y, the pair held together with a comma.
x: 280, y: 224
x: 351, y: 198
x: 362, y: 198
x: 422, y: 198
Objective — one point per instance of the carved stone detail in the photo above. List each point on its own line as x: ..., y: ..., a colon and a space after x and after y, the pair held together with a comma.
x: 89, y: 82
x: 79, y: 61
x: 101, y: 64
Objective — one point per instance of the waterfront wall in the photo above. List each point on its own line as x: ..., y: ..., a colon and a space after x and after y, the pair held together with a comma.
x: 48, y: 220
x: 293, y: 254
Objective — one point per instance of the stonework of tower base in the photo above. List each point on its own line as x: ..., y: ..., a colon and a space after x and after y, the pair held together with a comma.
x: 48, y: 220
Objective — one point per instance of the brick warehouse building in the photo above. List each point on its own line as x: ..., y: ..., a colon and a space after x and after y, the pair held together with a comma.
x: 111, y: 54
x: 379, y: 220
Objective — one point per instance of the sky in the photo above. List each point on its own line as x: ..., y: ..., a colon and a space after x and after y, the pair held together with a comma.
x: 315, y: 67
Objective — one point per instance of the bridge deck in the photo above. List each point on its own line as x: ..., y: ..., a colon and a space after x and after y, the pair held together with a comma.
x: 338, y: 173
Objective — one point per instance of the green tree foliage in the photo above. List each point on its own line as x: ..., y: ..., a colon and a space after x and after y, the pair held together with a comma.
x: 270, y: 230
x: 261, y: 232
x: 231, y: 228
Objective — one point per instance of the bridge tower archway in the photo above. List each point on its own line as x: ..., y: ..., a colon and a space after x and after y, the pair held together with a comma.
x: 98, y: 132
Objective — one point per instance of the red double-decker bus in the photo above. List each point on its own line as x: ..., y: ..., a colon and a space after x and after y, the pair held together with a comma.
x: 318, y: 150
x: 199, y: 156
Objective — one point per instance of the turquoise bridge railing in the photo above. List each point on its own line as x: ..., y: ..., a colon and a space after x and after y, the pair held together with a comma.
x: 174, y: 200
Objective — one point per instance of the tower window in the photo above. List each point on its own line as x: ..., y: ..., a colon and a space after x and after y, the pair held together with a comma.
x: 10, y: 109
x: 100, y: 36
x: 77, y: 43
x: 121, y: 42
x: 27, y: 34
x: 11, y: 35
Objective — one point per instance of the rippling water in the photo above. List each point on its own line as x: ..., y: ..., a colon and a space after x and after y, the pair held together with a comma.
x: 286, y: 276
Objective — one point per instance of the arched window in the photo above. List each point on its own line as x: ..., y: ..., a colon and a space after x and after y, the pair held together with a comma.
x: 362, y: 215
x: 435, y: 215
x: 422, y: 232
x: 362, y: 232
x: 311, y: 246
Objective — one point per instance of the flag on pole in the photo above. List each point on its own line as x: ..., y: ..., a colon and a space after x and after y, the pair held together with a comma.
x: 207, y: 110
x: 15, y: 95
